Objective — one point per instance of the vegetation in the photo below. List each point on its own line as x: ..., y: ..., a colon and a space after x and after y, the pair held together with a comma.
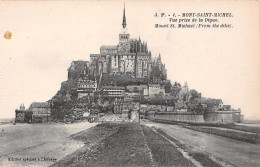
x: 168, y: 87
x: 157, y: 101
x: 156, y: 72
x: 93, y: 104
x: 122, y: 80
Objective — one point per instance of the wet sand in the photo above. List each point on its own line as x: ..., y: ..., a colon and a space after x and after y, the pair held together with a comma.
x: 38, y: 144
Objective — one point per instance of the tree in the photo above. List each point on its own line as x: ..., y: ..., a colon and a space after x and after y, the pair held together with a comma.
x: 168, y: 87
x: 129, y: 113
x: 155, y: 72
x: 194, y: 94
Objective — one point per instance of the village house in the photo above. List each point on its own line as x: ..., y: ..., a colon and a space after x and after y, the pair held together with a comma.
x: 134, y: 95
x: 176, y: 86
x: 86, y: 87
x: 113, y: 91
x: 41, y: 111
x: 118, y: 105
x: 226, y: 107
x: 124, y: 105
x: 157, y: 108
x: 212, y: 104
x: 94, y: 57
x: 136, y: 106
x: 143, y: 108
x: 155, y: 89
x: 136, y: 88
x: 180, y: 104
x: 146, y: 92
x: 169, y: 108
x: 184, y: 96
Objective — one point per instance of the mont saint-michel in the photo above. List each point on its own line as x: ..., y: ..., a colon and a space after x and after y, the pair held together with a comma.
x: 127, y: 82
x: 118, y: 106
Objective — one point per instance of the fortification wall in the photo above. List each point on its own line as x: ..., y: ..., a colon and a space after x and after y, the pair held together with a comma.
x: 219, y: 117
x: 216, y: 117
x: 178, y: 117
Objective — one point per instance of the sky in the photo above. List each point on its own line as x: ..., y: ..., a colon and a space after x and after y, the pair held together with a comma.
x: 48, y: 35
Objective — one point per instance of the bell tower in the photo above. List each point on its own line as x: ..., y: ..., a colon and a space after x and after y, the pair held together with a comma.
x: 124, y: 44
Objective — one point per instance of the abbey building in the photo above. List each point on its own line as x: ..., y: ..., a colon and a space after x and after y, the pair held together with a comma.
x: 130, y: 56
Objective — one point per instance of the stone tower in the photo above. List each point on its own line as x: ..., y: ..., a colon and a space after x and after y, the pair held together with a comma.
x: 185, y: 86
x: 124, y: 44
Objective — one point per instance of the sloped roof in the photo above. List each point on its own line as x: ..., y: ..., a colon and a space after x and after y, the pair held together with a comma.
x: 212, y: 101
x: 40, y: 105
x: 94, y: 55
x: 108, y: 47
x: 113, y: 87
x: 177, y: 84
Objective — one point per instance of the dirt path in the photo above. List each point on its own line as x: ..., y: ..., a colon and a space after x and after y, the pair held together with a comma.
x: 126, y: 144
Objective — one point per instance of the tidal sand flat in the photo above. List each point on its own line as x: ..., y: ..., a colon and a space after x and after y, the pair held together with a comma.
x: 38, y: 144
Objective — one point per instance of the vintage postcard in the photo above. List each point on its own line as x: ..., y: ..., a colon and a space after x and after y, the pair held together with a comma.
x: 130, y: 83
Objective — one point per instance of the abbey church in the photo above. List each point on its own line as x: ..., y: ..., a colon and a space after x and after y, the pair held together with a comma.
x: 130, y: 56
x: 128, y: 63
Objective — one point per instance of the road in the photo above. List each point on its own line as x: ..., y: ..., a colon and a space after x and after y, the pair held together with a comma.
x: 232, y: 152
x: 38, y: 144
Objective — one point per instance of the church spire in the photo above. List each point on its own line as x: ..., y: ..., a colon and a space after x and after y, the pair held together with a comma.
x: 124, y: 18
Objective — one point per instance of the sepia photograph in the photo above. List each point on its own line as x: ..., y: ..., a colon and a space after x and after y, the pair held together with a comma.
x: 130, y: 83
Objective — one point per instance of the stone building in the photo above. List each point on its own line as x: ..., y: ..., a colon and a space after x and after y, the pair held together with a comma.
x: 134, y: 95
x: 155, y: 89
x: 22, y: 115
x: 184, y: 96
x: 141, y: 89
x: 113, y: 91
x: 118, y: 104
x: 41, y: 111
x: 130, y: 56
x: 176, y: 86
x: 86, y: 87
x: 212, y: 104
x: 122, y: 106
x: 185, y: 86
